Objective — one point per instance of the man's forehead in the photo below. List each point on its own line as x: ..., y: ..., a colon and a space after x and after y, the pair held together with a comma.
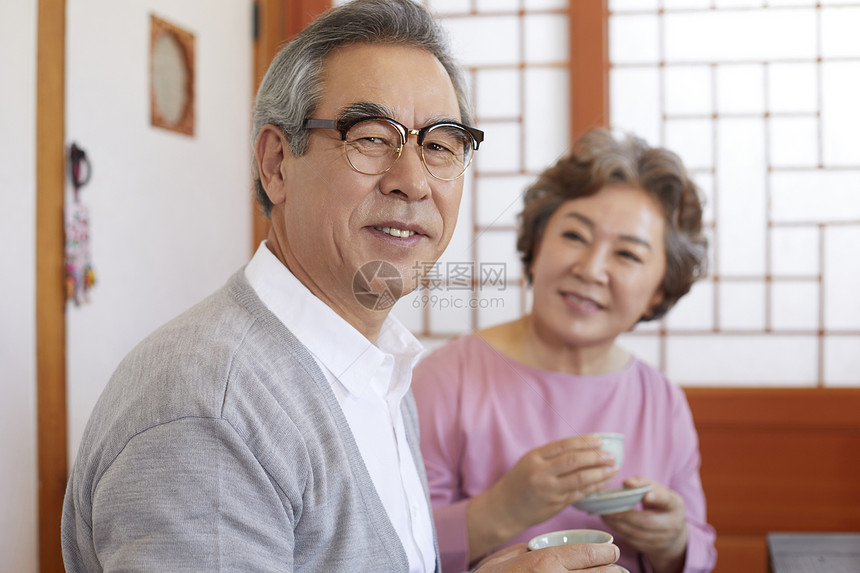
x: 398, y: 81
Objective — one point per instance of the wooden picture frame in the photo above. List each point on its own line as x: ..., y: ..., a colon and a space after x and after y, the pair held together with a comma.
x: 171, y: 77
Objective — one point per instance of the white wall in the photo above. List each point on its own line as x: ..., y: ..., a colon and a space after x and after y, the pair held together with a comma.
x: 18, y: 533
x: 170, y: 215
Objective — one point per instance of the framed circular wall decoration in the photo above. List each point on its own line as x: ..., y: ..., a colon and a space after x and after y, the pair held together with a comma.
x: 171, y: 76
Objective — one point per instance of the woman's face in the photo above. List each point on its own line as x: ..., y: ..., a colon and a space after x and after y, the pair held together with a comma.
x: 599, y: 266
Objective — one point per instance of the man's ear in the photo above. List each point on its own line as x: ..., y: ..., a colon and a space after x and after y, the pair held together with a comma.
x: 270, y: 151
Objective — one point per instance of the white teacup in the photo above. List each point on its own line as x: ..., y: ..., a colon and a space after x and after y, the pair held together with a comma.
x: 569, y: 537
x: 613, y: 443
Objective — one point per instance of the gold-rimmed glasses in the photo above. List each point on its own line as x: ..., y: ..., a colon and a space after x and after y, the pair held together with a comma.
x: 373, y: 144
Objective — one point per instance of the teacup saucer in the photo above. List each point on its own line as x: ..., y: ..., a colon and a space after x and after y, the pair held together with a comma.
x: 612, y: 501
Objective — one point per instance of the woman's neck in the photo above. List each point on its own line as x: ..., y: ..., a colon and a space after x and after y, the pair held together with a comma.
x: 524, y: 341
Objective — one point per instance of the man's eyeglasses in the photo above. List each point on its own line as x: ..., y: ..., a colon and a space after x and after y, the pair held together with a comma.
x: 374, y: 144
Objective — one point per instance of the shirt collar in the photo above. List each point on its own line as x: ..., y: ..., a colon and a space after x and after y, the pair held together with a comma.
x: 336, y: 344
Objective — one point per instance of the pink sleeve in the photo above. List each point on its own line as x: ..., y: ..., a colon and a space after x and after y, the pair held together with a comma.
x: 436, y: 382
x: 701, y: 554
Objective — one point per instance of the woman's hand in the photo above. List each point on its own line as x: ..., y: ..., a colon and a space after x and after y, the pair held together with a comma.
x: 542, y: 483
x: 595, y: 558
x: 659, y: 530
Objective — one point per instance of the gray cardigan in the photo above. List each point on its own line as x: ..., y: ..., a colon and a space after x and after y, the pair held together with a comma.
x: 218, y: 445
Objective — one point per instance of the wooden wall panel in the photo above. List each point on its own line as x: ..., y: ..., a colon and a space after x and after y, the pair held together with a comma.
x: 776, y: 460
x: 741, y: 554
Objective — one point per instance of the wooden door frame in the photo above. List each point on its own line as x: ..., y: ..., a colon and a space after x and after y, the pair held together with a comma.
x: 589, y: 75
x: 51, y: 432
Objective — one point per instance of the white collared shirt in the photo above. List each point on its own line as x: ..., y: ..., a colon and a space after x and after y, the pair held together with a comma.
x: 369, y: 382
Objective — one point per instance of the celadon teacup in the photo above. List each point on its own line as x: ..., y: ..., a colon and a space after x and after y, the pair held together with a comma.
x: 570, y: 537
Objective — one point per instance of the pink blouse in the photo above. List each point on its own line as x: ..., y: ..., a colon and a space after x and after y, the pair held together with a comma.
x: 480, y: 411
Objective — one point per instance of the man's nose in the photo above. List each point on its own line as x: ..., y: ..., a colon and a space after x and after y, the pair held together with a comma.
x: 408, y: 177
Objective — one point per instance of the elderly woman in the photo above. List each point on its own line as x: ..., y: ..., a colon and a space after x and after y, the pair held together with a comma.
x: 610, y: 236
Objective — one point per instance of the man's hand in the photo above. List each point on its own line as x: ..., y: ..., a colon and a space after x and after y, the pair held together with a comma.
x: 594, y: 557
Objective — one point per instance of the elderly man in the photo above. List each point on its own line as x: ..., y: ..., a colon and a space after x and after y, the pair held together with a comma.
x: 271, y: 427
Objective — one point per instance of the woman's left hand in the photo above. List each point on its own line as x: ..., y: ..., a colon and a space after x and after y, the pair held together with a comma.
x: 659, y: 529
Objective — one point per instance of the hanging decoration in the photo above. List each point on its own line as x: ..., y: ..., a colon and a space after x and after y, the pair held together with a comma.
x: 80, y: 274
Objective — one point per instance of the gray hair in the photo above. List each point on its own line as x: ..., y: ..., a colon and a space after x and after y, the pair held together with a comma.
x: 292, y: 87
